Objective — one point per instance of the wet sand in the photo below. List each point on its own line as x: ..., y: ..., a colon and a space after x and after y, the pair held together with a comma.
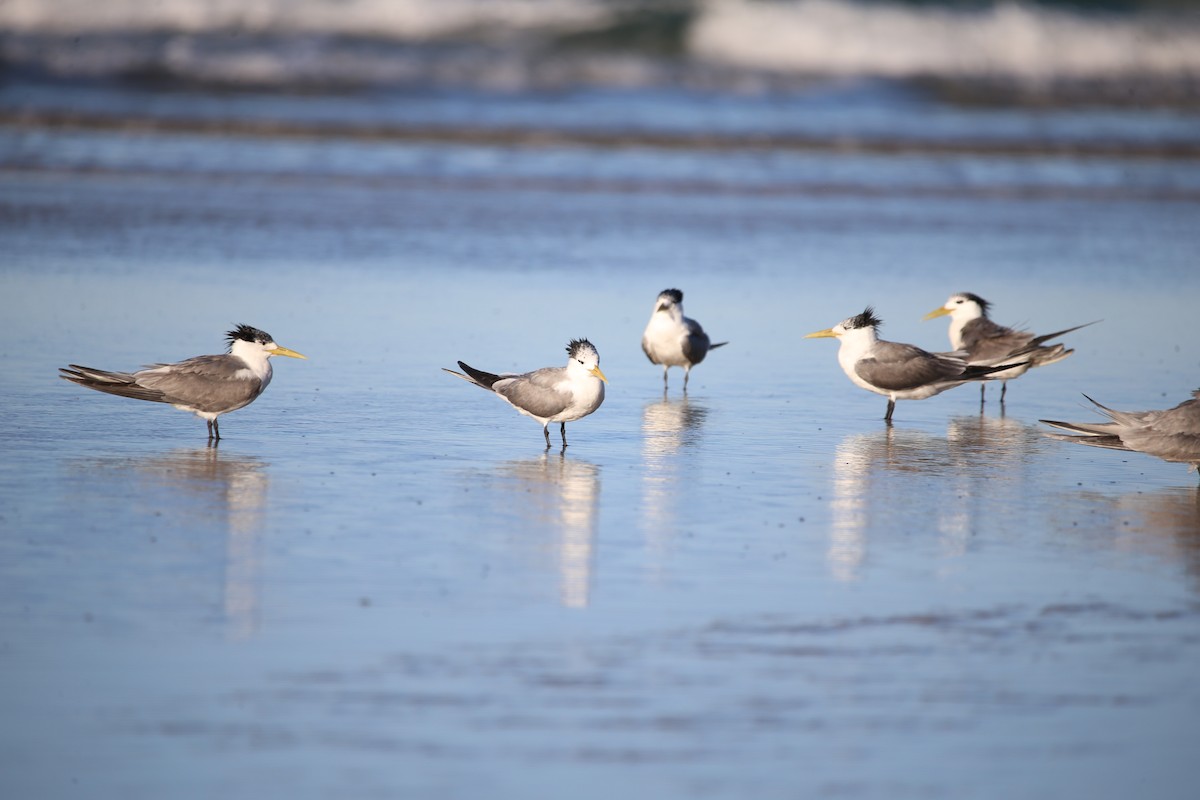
x: 379, y: 583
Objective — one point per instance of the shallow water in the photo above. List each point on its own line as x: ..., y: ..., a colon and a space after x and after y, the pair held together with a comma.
x: 380, y: 584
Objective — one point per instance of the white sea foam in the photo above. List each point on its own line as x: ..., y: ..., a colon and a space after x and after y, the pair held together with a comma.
x: 406, y: 19
x: 824, y: 37
x: 818, y: 38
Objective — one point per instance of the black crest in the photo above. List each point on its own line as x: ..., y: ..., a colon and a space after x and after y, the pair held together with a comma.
x: 866, y: 319
x: 984, y: 304
x: 246, y: 333
x: 578, y: 347
x: 675, y: 295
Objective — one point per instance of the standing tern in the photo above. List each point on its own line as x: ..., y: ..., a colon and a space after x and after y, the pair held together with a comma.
x: 673, y: 340
x: 1172, y: 435
x: 208, y: 386
x: 550, y: 394
x: 897, y: 371
x: 988, y: 343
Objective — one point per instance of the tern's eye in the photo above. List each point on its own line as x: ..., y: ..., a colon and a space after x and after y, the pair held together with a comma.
x: 580, y: 360
x: 958, y: 302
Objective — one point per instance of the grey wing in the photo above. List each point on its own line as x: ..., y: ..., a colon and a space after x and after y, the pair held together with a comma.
x: 695, y: 344
x: 205, y: 383
x: 895, y: 366
x: 122, y: 384
x: 536, y: 392
x: 1120, y: 422
x: 1041, y: 356
x: 1172, y: 435
x: 1183, y: 418
x: 1130, y: 420
x: 646, y: 349
x: 1167, y: 446
x: 987, y: 341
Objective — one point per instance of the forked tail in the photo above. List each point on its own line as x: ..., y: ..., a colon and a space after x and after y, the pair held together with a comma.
x: 483, y: 380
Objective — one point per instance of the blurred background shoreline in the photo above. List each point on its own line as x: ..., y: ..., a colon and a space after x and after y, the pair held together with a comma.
x: 1144, y: 52
x: 1084, y: 79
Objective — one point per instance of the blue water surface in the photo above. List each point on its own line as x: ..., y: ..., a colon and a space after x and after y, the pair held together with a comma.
x: 380, y: 584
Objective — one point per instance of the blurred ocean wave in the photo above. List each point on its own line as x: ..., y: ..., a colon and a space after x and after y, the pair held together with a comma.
x: 1115, y: 52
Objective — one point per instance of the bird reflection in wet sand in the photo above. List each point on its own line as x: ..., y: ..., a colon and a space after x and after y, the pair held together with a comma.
x: 562, y: 493
x: 192, y: 487
x: 1164, y: 524
x: 667, y: 427
x: 1002, y: 442
x: 238, y: 486
x: 876, y: 475
x: 1172, y: 434
x: 857, y: 500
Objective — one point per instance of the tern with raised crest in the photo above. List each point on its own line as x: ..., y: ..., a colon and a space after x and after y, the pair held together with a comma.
x: 897, y: 371
x: 550, y: 394
x: 673, y: 340
x: 988, y: 343
x: 207, y: 386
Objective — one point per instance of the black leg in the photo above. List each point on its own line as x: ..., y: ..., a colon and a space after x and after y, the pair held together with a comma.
x: 687, y: 372
x: 665, y: 368
x: 208, y: 423
x: 982, y: 392
x: 1003, y: 391
x: 216, y: 431
x: 546, y: 430
x: 891, y: 407
x: 562, y: 428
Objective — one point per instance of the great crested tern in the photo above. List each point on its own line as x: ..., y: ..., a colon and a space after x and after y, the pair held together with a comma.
x: 673, y: 340
x: 988, y: 343
x: 1172, y: 434
x: 208, y: 386
x: 550, y: 394
x: 897, y: 371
